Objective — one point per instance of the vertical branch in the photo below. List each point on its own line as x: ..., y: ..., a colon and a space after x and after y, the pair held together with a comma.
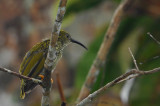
x: 60, y: 88
x: 105, y: 46
x: 54, y: 35
x: 51, y: 56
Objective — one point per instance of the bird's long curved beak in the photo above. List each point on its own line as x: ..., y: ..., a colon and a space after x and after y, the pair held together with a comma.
x: 74, y: 41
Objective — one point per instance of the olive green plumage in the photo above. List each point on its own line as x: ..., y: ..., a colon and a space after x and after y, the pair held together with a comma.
x: 33, y: 62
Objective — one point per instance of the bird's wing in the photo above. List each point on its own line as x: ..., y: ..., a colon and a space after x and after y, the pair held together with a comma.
x: 35, y: 56
x: 33, y: 65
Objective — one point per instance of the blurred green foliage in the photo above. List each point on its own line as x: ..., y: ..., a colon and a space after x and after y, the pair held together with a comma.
x: 145, y: 88
x: 131, y: 33
x: 84, y: 66
x: 81, y: 5
x: 76, y: 6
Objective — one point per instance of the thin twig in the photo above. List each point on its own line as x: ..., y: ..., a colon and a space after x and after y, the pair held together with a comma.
x: 60, y: 88
x: 104, y: 49
x: 134, y: 60
x: 153, y: 38
x: 19, y: 75
x: 128, y: 75
x: 51, y: 56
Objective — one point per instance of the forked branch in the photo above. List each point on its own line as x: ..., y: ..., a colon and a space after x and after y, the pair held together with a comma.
x: 128, y: 75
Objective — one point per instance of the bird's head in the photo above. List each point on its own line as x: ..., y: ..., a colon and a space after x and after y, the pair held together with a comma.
x: 65, y: 39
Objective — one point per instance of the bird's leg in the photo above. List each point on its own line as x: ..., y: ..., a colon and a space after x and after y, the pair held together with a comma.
x: 42, y: 77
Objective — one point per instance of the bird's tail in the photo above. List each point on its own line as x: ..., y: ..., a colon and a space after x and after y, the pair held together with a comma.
x: 22, y: 94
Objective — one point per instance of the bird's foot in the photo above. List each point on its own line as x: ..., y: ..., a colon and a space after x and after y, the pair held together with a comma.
x: 42, y: 77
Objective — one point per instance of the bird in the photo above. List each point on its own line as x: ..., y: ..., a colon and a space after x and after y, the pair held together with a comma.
x: 32, y: 64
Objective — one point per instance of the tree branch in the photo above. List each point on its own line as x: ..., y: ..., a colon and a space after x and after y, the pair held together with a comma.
x: 103, y: 51
x: 19, y: 75
x: 60, y: 88
x: 51, y: 56
x: 153, y: 38
x: 128, y: 75
x: 134, y: 60
x: 54, y: 35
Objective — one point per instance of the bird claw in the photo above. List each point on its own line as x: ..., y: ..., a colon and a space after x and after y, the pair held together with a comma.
x: 42, y: 77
